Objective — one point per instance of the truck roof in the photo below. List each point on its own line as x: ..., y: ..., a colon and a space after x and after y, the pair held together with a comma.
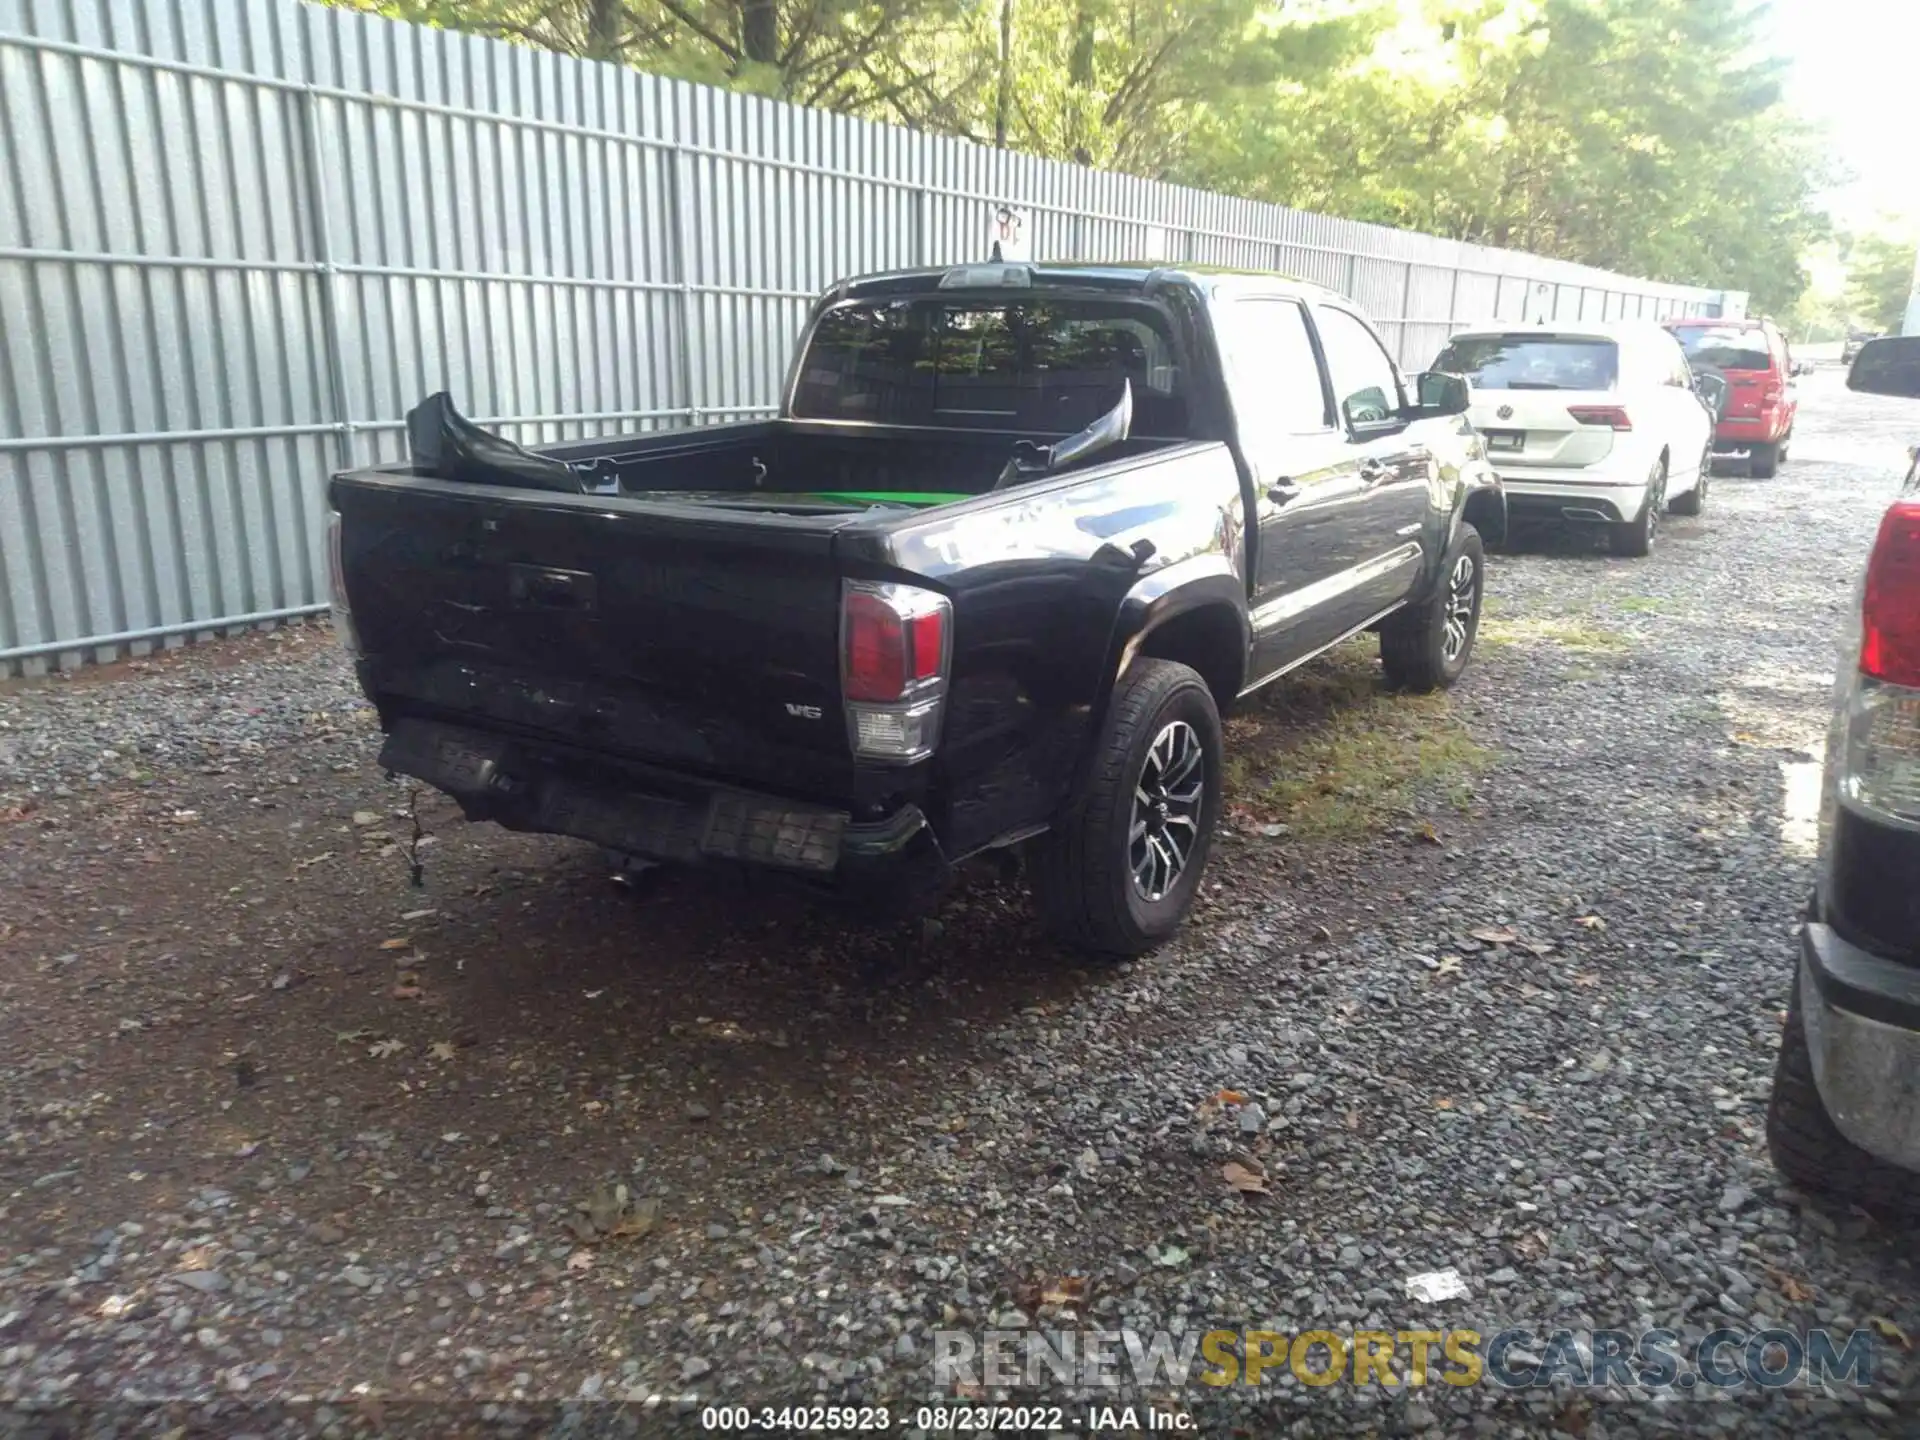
x: 1079, y: 275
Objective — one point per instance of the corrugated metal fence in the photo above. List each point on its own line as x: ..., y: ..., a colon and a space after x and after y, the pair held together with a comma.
x: 238, y: 238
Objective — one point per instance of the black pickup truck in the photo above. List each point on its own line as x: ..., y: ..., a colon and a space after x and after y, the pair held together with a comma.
x: 906, y: 621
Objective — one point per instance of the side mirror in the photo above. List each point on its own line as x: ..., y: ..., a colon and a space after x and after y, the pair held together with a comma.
x: 1439, y: 393
x: 1888, y: 366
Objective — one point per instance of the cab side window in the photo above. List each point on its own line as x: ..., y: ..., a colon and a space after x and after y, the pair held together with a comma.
x: 1366, y: 384
x: 1272, y: 368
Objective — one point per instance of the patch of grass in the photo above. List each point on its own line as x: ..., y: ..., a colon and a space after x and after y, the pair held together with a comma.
x: 1569, y: 632
x: 1645, y: 604
x: 1330, y: 752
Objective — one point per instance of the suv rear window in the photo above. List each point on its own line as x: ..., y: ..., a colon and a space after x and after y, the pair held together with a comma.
x: 1046, y: 366
x: 1531, y: 361
x: 1725, y: 347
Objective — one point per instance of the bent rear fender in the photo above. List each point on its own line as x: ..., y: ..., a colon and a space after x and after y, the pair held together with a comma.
x: 1203, y: 585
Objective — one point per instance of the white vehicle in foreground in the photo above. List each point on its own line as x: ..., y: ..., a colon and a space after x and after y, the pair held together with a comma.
x: 1589, y: 423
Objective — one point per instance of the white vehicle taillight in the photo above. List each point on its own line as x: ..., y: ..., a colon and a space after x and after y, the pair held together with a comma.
x: 1880, y: 761
x: 337, y: 584
x: 895, y: 645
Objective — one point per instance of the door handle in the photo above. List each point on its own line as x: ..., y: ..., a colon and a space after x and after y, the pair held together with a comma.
x: 1372, y: 472
x: 1284, y: 492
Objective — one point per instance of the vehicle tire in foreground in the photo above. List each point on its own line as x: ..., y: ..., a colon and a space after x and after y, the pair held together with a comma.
x: 1426, y: 647
x: 1117, y: 874
x: 1808, y: 1147
x: 1634, y: 538
x: 1763, y: 461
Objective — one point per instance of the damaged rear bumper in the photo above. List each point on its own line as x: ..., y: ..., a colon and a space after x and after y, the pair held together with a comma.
x: 659, y: 815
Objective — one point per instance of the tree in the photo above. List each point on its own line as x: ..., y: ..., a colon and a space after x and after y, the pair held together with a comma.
x: 1644, y: 136
x: 1879, y: 280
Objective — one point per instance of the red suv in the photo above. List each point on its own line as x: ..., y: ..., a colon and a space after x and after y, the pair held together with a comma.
x: 1761, y: 403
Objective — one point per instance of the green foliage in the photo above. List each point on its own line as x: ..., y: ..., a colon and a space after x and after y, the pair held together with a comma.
x: 1879, y: 279
x: 1646, y: 136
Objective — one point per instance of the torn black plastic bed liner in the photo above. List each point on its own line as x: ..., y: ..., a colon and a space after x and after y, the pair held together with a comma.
x: 446, y: 445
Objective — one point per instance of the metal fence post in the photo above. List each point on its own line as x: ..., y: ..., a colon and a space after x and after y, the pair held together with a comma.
x: 1453, y: 302
x: 1353, y: 274
x: 923, y: 223
x: 1406, y: 305
x: 683, y: 274
x: 307, y: 189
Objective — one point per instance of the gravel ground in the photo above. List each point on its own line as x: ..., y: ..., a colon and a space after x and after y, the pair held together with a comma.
x: 276, y: 1125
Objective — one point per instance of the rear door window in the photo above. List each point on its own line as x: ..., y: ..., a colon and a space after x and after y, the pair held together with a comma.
x: 1042, y: 366
x: 1272, y: 367
x: 1533, y: 362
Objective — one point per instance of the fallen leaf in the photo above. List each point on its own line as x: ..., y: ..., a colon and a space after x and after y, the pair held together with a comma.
x: 1791, y: 1286
x: 1247, y: 1182
x: 1496, y: 935
x: 399, y: 942
x: 1430, y: 835
x: 1449, y: 965
x: 348, y: 1037
x: 1230, y: 1097
x: 365, y: 817
x: 441, y: 1050
x: 309, y: 864
x: 580, y: 1260
x: 1539, y: 949
x: 1589, y: 922
x: 1067, y: 1290
x: 1887, y: 1330
x: 1444, y: 1102
x: 407, y: 992
x: 386, y: 1049
x: 1586, y: 980
x: 1532, y: 1245
x: 638, y: 1219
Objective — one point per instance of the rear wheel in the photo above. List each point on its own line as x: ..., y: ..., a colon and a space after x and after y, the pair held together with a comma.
x: 1116, y: 876
x: 1426, y: 647
x: 1634, y: 538
x: 1763, y: 461
x: 1808, y: 1147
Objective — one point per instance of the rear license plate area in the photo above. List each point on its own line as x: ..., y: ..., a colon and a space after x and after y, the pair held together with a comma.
x: 1506, y: 439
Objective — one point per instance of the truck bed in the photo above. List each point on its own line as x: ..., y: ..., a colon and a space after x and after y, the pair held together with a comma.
x: 684, y: 611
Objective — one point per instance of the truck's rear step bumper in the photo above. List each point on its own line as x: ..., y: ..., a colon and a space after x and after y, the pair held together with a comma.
x: 497, y: 778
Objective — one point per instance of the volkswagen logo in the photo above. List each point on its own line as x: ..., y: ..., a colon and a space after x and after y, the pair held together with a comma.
x: 1505, y: 412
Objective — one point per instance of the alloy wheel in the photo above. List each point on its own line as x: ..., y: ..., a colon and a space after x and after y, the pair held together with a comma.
x: 1460, y: 603
x: 1167, y: 802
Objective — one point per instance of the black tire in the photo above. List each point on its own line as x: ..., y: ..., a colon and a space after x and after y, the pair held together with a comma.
x: 1808, y: 1147
x: 1763, y: 461
x: 1419, y: 649
x: 1084, y: 883
x: 1634, y: 539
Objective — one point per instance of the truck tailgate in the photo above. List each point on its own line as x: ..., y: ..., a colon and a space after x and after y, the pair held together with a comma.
x: 703, y: 642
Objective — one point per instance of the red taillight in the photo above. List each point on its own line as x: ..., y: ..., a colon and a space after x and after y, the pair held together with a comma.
x: 895, y: 641
x: 1890, y: 606
x: 1614, y: 417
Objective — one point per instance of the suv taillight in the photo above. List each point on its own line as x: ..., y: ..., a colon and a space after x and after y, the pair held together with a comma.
x: 895, y: 644
x: 1614, y: 417
x: 337, y: 584
x: 1880, y: 764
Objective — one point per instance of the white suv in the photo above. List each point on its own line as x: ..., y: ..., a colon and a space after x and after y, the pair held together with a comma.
x: 1591, y: 423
